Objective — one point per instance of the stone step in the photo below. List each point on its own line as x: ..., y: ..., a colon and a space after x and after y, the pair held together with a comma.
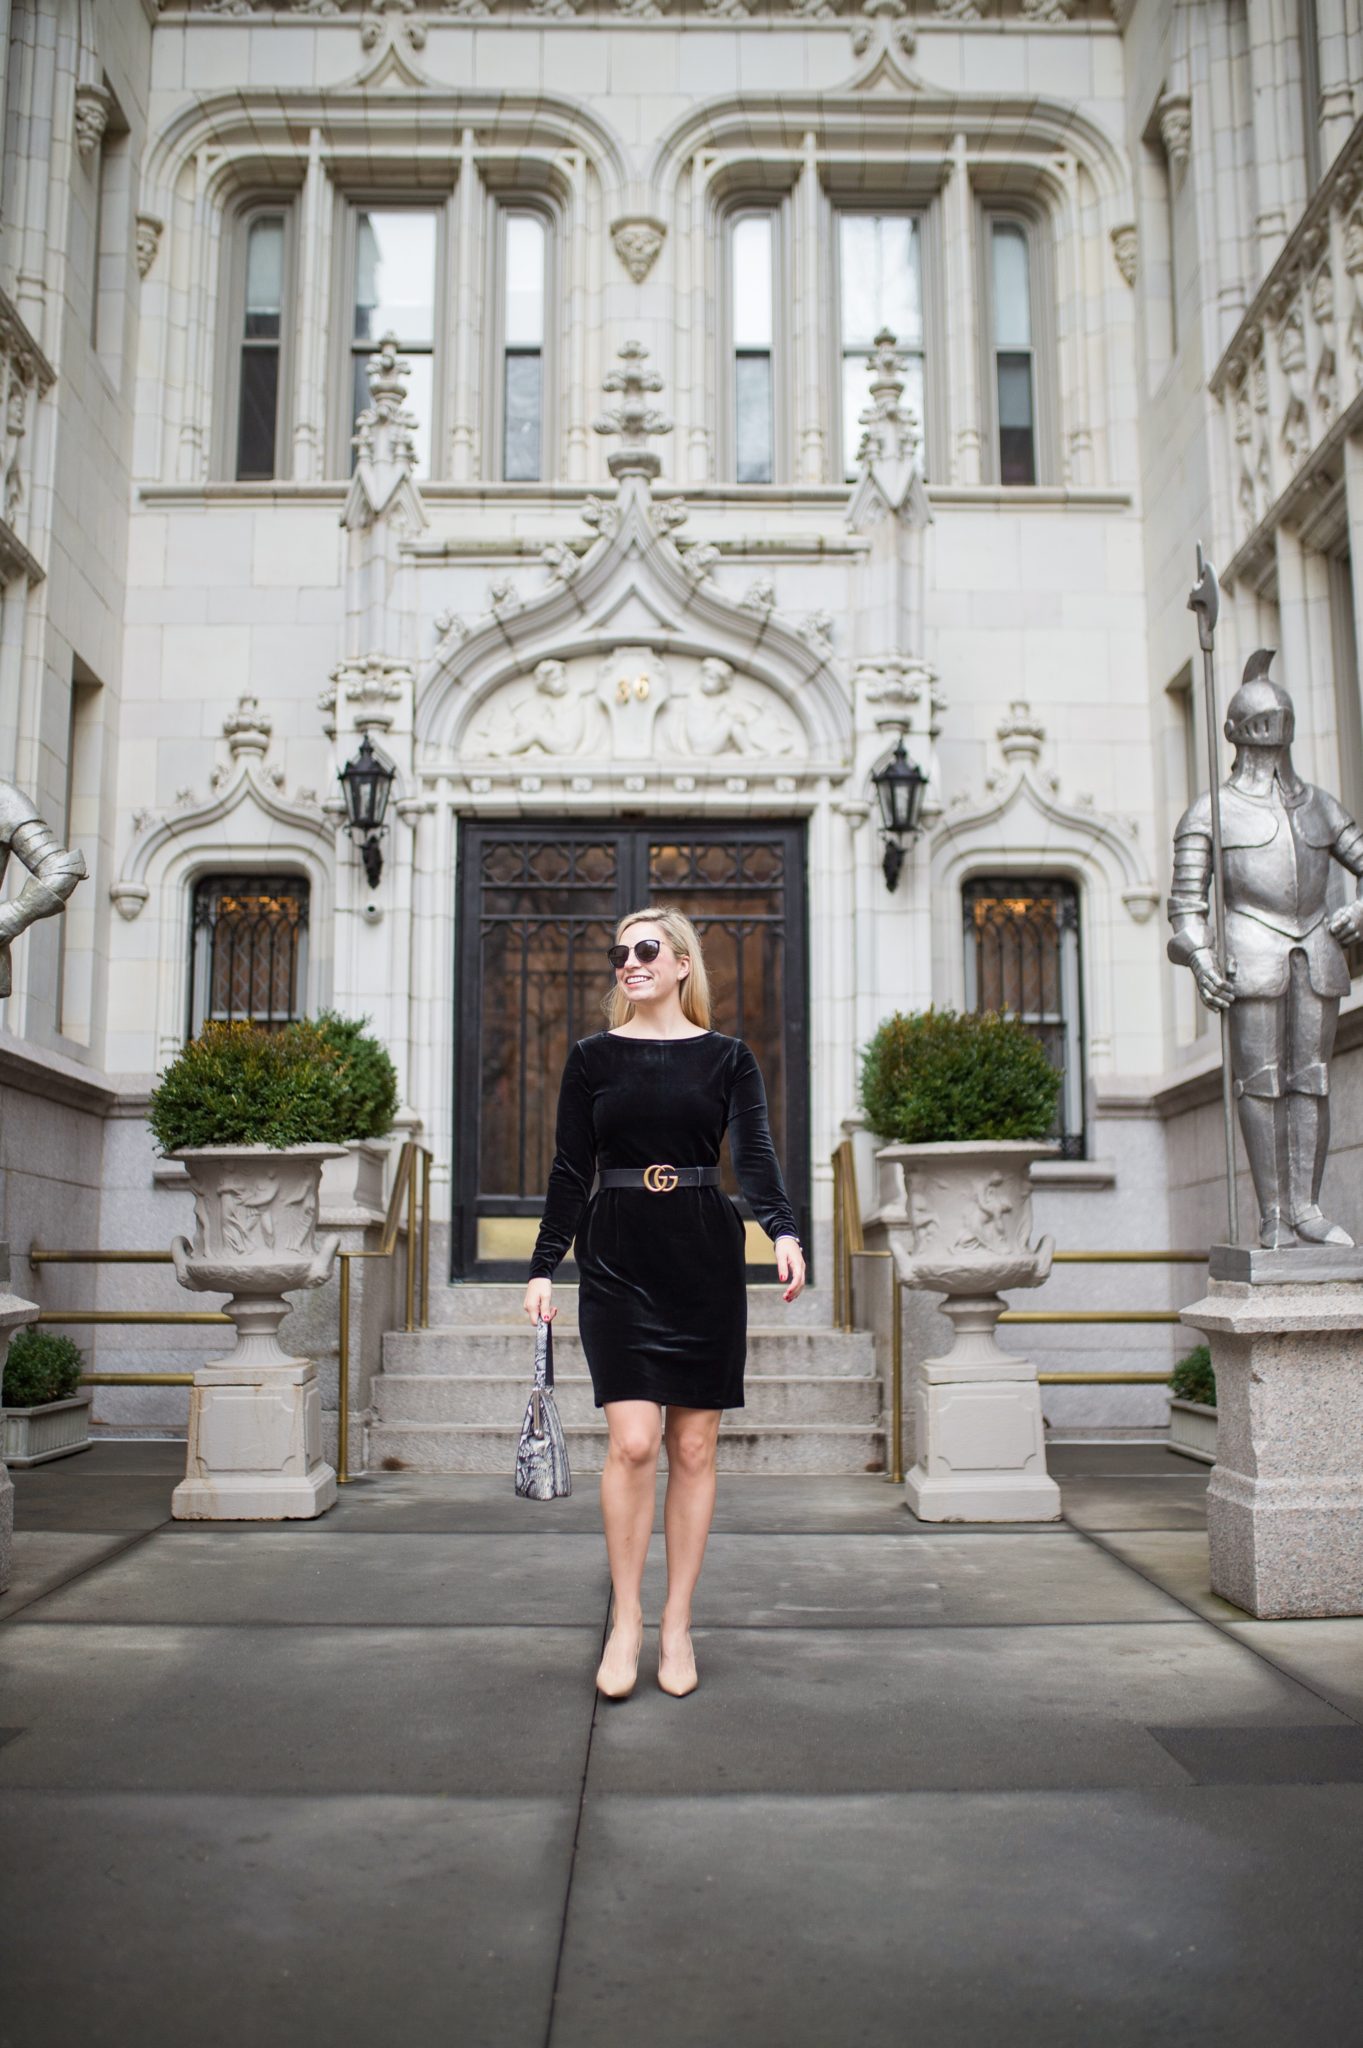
x: 500, y: 1348
x: 772, y: 1402
x: 822, y: 1447
x: 495, y: 1301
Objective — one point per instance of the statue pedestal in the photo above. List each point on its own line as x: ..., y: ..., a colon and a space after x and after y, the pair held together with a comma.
x: 255, y: 1446
x: 1285, y: 1503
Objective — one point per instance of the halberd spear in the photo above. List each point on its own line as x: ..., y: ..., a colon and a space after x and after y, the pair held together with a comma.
x: 1205, y: 599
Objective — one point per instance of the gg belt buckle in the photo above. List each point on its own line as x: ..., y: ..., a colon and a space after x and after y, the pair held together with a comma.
x: 660, y: 1180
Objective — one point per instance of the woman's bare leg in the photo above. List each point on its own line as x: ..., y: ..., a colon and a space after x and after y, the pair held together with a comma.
x: 692, y: 1435
x: 627, y: 1495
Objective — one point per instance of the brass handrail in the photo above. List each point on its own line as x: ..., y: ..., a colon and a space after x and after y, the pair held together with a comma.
x: 416, y: 1189
x: 847, y: 1234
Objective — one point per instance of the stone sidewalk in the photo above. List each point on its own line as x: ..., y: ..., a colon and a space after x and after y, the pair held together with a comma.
x: 349, y: 1781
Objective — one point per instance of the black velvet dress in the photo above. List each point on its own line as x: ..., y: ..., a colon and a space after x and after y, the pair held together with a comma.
x: 662, y: 1304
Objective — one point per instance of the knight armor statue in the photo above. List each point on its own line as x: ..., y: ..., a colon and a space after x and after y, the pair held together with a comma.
x: 52, y: 872
x: 1285, y: 969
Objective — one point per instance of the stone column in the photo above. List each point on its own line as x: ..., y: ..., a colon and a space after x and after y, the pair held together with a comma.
x: 963, y: 341
x: 1285, y: 1504
x: 1338, y: 94
x: 316, y: 234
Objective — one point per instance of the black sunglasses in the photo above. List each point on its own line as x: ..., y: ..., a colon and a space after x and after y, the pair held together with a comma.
x: 643, y: 950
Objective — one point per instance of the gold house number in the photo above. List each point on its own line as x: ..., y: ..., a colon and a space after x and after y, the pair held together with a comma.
x: 625, y: 689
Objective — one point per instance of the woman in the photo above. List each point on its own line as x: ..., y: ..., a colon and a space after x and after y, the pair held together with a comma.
x: 662, y: 1305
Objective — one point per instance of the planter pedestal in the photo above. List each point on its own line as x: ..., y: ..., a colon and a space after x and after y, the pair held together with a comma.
x: 1285, y: 1500
x: 255, y: 1416
x: 255, y: 1446
x: 978, y: 1430
x: 981, y: 1443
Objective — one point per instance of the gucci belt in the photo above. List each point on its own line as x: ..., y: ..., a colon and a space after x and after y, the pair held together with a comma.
x: 660, y: 1179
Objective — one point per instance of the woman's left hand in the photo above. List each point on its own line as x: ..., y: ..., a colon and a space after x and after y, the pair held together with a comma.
x: 790, y: 1265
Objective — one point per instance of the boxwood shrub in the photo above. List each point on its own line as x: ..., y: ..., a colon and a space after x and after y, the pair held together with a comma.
x: 1193, y: 1379
x: 368, y: 1076
x: 934, y: 1075
x: 40, y: 1366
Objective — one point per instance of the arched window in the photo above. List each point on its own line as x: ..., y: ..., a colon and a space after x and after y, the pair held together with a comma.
x: 752, y: 259
x: 1012, y: 351
x: 1022, y: 956
x: 248, y: 949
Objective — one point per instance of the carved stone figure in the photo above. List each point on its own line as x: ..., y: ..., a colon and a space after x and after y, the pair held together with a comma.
x: 1285, y: 969
x: 52, y: 872
x: 551, y: 721
x: 718, y: 720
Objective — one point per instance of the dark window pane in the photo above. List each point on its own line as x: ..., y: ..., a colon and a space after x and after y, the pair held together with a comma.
x: 752, y: 418
x: 257, y: 412
x: 521, y: 438
x: 1017, y: 430
x: 1022, y: 957
x: 248, y: 937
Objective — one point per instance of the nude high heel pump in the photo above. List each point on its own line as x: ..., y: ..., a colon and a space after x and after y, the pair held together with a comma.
x: 617, y: 1670
x: 678, y: 1688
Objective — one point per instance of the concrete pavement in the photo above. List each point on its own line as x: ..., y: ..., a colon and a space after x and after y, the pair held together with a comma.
x: 349, y: 1781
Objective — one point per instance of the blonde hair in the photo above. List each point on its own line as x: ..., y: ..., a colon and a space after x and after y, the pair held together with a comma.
x: 684, y: 940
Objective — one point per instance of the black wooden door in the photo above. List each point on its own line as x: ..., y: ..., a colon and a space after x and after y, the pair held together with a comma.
x: 537, y: 910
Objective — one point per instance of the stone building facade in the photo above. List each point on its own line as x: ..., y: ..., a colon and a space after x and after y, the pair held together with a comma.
x: 768, y: 380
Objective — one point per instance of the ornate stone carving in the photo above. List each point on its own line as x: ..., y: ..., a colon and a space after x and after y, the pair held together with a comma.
x: 1176, y: 129
x: 760, y: 597
x: 813, y: 10
x: 550, y: 719
x: 718, y: 719
x: 1124, y: 247
x: 92, y: 118
x: 637, y: 242
x: 561, y: 561
x: 956, y: 10
x: 371, y: 688
x: 641, y: 10
x: 604, y: 519
x: 633, y: 419
x: 1048, y: 11
x: 149, y: 231
x: 698, y: 559
x: 727, y: 10
x: 503, y: 598
x: 468, y: 10
x: 554, y: 10
x: 898, y: 679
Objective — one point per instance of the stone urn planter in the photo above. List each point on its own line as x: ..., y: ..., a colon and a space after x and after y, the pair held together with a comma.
x: 53, y: 1429
x: 981, y: 1452
x: 1192, y: 1430
x: 255, y: 1418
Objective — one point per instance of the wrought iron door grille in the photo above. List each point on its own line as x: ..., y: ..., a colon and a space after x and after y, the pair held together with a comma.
x: 248, y: 943
x: 1022, y: 956
x: 538, y: 910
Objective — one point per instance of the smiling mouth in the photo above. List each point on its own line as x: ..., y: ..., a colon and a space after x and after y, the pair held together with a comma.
x: 638, y: 980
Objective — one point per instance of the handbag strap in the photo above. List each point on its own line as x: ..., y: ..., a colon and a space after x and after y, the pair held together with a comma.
x: 544, y: 1353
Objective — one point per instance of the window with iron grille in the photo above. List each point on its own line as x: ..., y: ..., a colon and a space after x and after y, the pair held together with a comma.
x: 1022, y: 956
x: 248, y: 949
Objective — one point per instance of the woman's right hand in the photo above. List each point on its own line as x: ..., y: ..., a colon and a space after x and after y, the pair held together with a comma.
x: 538, y: 1300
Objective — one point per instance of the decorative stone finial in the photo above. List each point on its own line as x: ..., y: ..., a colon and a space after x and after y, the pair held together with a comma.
x: 1020, y: 734
x: 891, y: 426
x: 247, y: 730
x: 384, y: 430
x: 633, y: 419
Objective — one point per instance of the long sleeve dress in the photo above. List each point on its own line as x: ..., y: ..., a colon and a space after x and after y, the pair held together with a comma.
x: 662, y: 1304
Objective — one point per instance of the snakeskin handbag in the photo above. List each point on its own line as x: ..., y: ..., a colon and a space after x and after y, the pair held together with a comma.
x: 541, y: 1455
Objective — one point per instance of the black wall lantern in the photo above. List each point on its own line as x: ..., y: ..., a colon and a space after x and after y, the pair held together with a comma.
x: 900, y: 786
x: 367, y: 781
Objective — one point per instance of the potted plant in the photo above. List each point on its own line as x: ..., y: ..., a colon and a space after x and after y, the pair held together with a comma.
x: 254, y: 1114
x: 43, y: 1411
x: 370, y: 1085
x: 1192, y: 1406
x: 966, y: 1102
